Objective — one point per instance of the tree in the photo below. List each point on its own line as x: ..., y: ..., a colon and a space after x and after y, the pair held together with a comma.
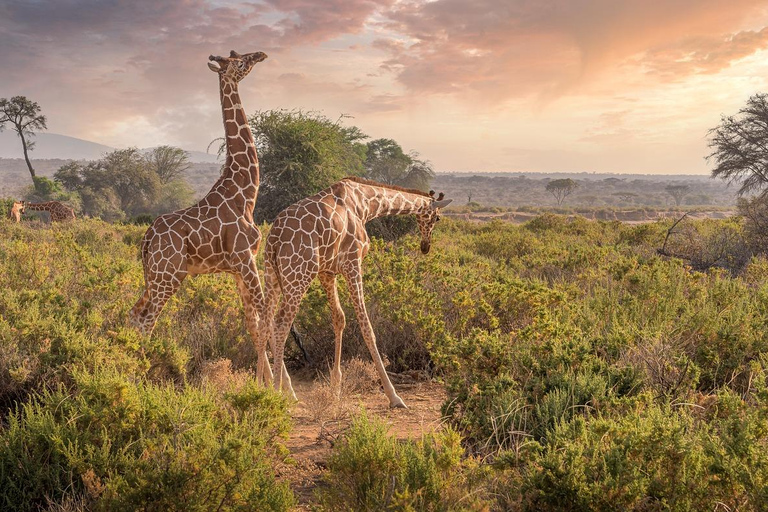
x: 387, y: 163
x: 740, y: 146
x: 627, y: 197
x: 678, y: 192
x: 300, y: 153
x: 24, y: 116
x: 168, y: 162
x: 561, y: 189
x: 124, y: 184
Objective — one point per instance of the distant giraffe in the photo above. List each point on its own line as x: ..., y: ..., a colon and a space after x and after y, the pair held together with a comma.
x: 217, y: 234
x: 16, y: 211
x: 58, y: 211
x: 322, y: 236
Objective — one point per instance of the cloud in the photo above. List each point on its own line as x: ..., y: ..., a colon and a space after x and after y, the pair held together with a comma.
x: 496, y: 49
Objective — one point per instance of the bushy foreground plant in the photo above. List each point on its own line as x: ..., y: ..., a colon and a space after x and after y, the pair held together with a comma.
x: 122, y: 444
x: 371, y: 470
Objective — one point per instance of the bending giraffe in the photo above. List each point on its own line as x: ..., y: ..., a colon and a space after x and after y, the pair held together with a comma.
x: 16, y: 211
x: 58, y: 212
x: 323, y: 236
x: 217, y: 234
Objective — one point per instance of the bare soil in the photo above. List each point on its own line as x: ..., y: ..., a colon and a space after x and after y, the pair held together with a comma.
x: 312, y: 437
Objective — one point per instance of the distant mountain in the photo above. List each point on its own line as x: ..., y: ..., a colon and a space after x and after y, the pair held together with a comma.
x: 55, y: 146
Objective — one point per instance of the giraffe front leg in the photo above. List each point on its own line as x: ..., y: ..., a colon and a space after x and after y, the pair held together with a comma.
x: 354, y: 278
x: 157, y: 293
x: 339, y: 322
x: 258, y: 320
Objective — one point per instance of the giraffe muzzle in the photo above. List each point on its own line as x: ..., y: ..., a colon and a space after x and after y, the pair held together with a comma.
x: 425, y: 247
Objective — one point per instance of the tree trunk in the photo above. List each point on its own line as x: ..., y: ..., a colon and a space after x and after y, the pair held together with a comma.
x: 26, y: 155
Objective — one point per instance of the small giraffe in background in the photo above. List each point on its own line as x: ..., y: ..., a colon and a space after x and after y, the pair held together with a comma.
x: 59, y: 212
x: 322, y: 236
x: 16, y: 211
x: 218, y: 234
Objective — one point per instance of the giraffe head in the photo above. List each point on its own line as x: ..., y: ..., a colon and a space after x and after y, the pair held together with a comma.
x: 427, y: 218
x: 19, y: 206
x: 236, y: 66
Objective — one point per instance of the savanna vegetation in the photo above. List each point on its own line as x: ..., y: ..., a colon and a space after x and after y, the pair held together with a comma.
x: 588, y: 365
x: 584, y: 371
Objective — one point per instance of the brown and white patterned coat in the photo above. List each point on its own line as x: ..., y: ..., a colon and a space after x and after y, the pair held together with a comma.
x: 322, y: 236
x: 58, y: 212
x: 218, y: 234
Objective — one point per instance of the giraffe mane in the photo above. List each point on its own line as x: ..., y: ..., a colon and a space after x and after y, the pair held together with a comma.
x: 372, y: 183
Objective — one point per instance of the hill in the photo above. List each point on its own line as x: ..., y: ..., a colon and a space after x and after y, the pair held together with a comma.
x: 54, y: 146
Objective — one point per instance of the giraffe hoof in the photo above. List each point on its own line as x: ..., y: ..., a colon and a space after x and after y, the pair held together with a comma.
x: 398, y: 404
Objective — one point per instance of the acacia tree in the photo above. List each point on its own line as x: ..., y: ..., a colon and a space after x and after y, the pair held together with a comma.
x: 740, y: 146
x: 24, y: 116
x: 561, y: 189
x: 678, y: 192
x: 168, y: 162
x: 300, y: 153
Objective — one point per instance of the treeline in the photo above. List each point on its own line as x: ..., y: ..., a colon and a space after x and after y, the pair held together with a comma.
x: 299, y: 154
x: 582, y: 190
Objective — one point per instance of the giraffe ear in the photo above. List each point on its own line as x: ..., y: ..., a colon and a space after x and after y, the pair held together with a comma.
x: 214, y: 67
x: 441, y: 204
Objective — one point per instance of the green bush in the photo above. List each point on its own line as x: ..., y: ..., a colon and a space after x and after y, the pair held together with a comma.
x: 125, y: 445
x: 371, y: 470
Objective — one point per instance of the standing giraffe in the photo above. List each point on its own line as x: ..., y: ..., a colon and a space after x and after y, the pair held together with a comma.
x: 58, y: 211
x: 217, y: 234
x: 16, y: 211
x: 322, y: 236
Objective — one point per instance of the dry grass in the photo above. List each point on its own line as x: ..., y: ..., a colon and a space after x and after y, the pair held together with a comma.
x: 221, y: 376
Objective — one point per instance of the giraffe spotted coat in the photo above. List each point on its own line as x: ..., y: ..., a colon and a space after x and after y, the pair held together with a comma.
x: 322, y: 236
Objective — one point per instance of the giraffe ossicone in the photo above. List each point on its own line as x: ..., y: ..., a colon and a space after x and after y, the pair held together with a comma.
x: 322, y: 236
x: 218, y: 234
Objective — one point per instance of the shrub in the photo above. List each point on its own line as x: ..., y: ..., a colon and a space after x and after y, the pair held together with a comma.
x: 124, y: 445
x: 371, y: 470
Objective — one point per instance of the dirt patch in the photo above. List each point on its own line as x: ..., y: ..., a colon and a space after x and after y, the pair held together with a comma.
x: 313, y: 434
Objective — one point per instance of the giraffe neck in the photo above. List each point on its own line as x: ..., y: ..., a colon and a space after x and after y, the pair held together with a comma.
x: 38, y: 207
x: 377, y: 202
x: 239, y: 181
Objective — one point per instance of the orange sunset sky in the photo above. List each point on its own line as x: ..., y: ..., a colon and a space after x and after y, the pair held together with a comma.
x: 485, y: 85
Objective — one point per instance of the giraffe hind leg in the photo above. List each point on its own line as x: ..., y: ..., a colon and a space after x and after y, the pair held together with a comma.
x: 328, y: 281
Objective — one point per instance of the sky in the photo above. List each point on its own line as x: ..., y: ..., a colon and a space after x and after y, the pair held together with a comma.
x: 488, y: 85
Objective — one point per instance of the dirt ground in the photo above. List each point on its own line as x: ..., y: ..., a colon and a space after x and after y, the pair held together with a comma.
x: 319, y: 421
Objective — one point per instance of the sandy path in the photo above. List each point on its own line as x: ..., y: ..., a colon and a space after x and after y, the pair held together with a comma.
x: 311, y: 437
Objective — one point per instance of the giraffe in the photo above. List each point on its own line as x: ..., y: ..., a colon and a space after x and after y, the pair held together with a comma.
x: 58, y: 211
x: 16, y: 211
x: 323, y: 236
x: 218, y: 234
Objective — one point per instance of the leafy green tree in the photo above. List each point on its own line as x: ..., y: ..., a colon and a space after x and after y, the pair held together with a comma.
x: 740, y: 146
x: 387, y: 163
x: 125, y: 184
x: 560, y: 189
x: 168, y: 162
x: 24, y: 117
x: 301, y: 153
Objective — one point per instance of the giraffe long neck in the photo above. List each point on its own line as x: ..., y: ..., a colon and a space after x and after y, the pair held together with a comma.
x: 380, y: 202
x: 239, y: 181
x: 38, y: 207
